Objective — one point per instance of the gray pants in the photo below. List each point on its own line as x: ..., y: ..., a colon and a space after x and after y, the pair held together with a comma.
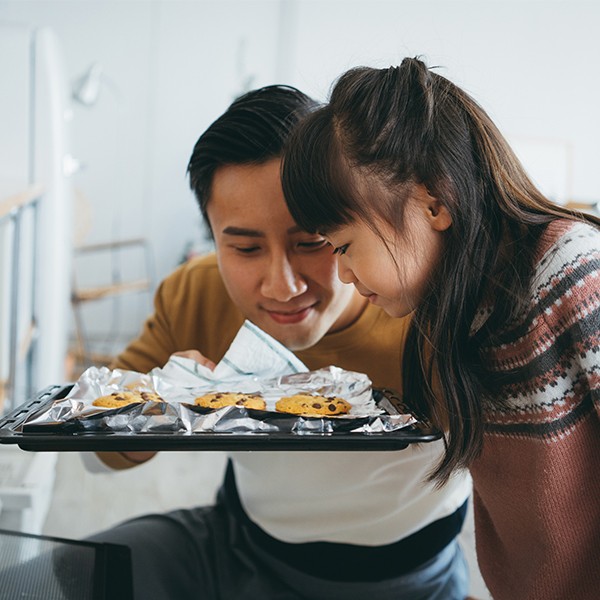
x: 204, y: 553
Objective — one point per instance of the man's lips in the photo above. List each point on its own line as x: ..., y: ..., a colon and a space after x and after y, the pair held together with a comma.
x: 289, y: 317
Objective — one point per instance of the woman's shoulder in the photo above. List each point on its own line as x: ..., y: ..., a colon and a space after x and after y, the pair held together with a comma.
x: 567, y: 237
x: 567, y: 249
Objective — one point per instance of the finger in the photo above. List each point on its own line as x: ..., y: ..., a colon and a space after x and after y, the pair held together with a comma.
x: 138, y: 457
x: 198, y: 357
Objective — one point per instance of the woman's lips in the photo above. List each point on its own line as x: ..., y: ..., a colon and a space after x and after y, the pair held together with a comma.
x: 370, y: 296
x: 289, y: 318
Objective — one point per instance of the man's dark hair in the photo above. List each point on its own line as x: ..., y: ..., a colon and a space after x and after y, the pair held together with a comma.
x: 253, y: 130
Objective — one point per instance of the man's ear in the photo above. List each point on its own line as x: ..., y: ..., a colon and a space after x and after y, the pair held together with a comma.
x: 438, y: 215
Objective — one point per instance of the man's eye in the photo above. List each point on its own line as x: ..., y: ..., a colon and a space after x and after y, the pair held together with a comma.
x: 247, y: 249
x: 313, y: 245
x: 341, y: 249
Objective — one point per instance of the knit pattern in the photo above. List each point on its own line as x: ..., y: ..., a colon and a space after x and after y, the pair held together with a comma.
x: 551, y: 360
x: 536, y: 482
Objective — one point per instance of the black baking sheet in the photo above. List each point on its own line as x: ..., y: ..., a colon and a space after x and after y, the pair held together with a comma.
x: 65, y: 439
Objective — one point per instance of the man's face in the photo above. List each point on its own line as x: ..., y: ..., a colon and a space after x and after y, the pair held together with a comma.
x: 283, y: 279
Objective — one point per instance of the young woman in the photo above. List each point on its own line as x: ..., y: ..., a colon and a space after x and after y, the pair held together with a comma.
x: 431, y: 213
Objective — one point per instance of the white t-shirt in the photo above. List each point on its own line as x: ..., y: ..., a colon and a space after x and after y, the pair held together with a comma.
x: 369, y: 498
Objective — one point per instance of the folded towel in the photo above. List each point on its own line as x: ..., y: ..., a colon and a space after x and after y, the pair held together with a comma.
x: 253, y: 355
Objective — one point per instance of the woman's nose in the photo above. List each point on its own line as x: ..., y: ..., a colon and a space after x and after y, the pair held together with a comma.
x: 345, y: 274
x: 282, y: 282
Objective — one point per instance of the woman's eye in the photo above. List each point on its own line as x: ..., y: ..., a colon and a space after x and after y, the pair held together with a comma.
x: 341, y: 249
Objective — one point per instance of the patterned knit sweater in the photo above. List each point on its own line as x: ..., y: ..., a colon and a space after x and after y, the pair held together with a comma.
x: 537, y: 481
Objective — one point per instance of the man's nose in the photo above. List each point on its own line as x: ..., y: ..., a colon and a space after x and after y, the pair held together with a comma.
x: 282, y: 282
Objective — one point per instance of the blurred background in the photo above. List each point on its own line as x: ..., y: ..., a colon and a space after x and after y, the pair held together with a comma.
x: 102, y: 101
x: 145, y: 78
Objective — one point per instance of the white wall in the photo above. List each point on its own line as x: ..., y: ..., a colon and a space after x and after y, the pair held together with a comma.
x: 171, y: 68
x: 531, y: 64
x: 174, y: 66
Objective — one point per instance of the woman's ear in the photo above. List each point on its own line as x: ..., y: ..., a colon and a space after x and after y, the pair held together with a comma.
x: 438, y: 215
x: 434, y: 211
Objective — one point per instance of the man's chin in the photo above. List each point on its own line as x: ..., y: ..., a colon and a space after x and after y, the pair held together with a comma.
x: 293, y: 337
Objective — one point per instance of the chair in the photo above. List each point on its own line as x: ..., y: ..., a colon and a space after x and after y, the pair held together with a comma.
x: 116, y: 284
x: 50, y: 568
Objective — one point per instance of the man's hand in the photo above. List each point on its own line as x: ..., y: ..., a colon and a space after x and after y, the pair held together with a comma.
x: 198, y: 357
x: 124, y: 460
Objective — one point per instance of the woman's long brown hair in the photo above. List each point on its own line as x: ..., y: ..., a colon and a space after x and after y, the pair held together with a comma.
x: 404, y: 125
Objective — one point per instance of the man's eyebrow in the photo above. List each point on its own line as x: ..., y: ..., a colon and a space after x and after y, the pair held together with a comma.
x: 242, y: 231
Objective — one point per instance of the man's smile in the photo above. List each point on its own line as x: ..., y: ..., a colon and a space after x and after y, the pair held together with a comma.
x: 287, y: 317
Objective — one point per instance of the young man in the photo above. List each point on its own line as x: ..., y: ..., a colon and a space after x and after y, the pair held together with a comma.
x: 286, y: 525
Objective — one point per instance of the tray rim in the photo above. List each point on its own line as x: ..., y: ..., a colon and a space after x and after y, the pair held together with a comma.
x: 204, y: 441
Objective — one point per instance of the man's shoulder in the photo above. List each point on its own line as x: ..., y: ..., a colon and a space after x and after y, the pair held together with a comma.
x: 201, y: 270
x: 194, y: 296
x: 199, y: 265
x: 194, y: 286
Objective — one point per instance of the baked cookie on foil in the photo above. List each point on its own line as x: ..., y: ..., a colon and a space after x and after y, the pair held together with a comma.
x: 310, y: 405
x: 119, y: 399
x: 221, y: 399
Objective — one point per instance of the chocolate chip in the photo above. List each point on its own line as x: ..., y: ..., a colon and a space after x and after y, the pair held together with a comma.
x: 316, y: 405
x: 332, y: 407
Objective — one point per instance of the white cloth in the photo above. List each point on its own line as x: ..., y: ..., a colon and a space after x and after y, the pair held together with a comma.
x: 369, y: 498
x: 253, y: 354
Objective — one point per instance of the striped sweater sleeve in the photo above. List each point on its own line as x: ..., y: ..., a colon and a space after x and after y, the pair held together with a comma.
x: 536, y: 483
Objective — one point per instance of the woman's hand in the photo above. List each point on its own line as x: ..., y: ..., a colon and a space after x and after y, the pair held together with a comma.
x: 198, y: 357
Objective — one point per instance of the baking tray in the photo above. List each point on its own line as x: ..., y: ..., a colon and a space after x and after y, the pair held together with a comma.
x: 43, y: 439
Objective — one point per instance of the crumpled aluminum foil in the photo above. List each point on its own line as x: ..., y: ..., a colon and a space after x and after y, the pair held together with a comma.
x: 179, y: 415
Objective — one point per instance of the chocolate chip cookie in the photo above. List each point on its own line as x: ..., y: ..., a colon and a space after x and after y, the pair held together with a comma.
x: 119, y: 399
x: 220, y: 399
x: 313, y: 405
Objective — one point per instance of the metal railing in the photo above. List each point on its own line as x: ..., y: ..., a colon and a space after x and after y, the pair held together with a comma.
x: 18, y: 270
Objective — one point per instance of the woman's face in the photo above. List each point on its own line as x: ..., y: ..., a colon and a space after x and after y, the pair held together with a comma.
x: 392, y: 268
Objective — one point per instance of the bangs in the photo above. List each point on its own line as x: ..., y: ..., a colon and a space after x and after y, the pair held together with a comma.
x: 316, y: 175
